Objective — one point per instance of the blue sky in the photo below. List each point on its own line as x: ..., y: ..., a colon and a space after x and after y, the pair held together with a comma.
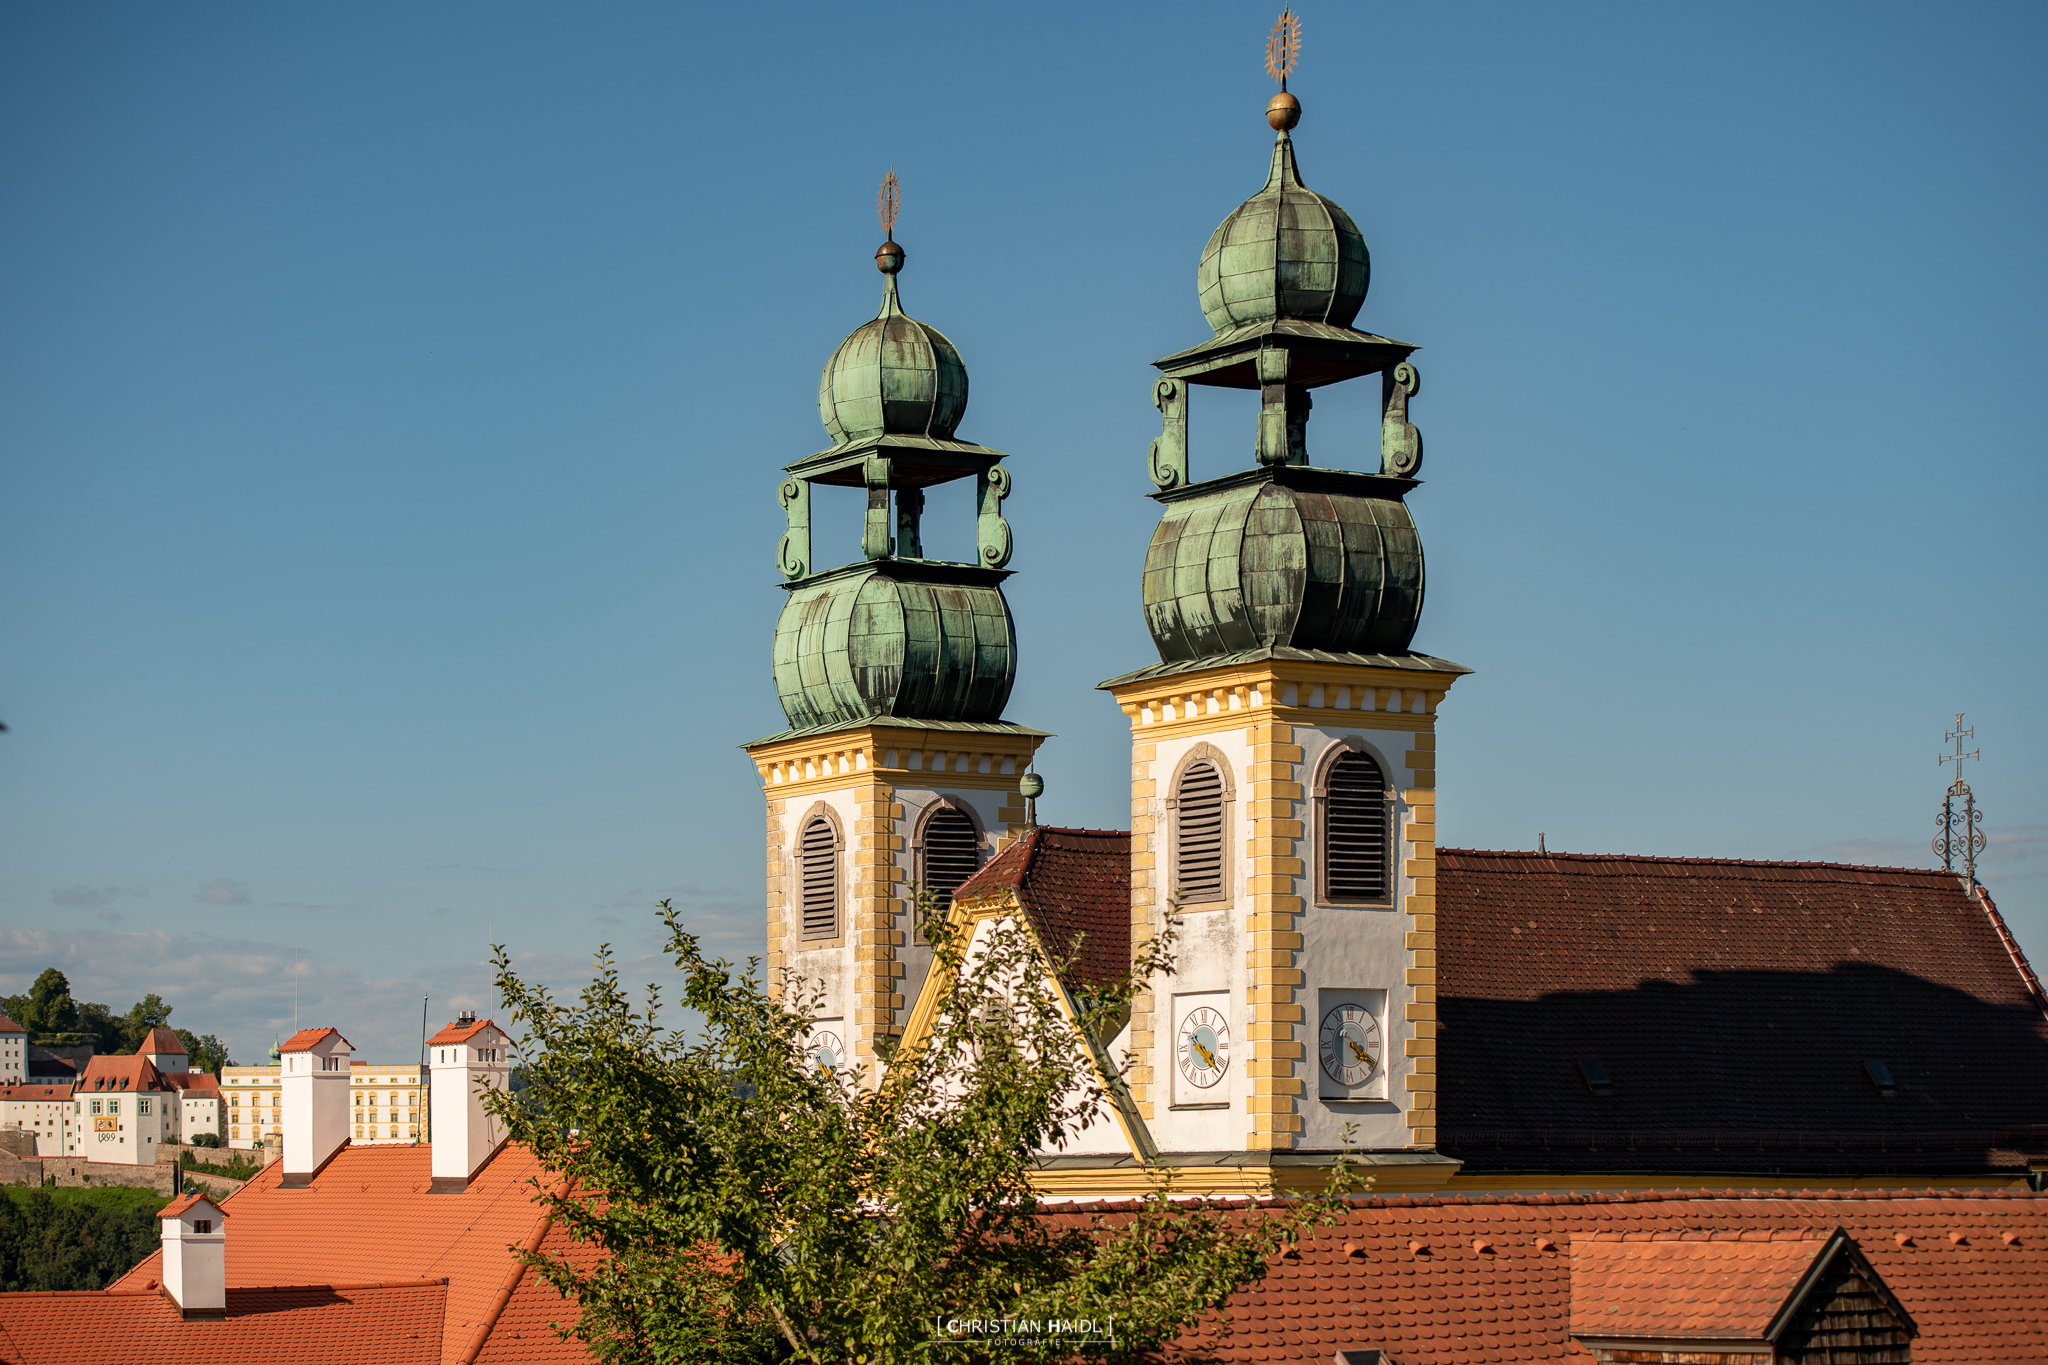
x: 392, y: 398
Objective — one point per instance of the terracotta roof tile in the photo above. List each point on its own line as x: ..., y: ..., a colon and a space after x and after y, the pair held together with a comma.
x: 306, y: 1039
x: 129, y: 1074
x: 1733, y: 1005
x: 1667, y: 1287
x: 1075, y: 887
x: 177, y: 1206
x: 162, y: 1040
x: 369, y: 1216
x: 9, y: 1026
x: 460, y: 1033
x: 377, y: 1324
x: 1985, y: 1302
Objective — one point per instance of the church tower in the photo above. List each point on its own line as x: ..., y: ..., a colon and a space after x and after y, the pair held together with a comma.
x: 1283, y: 749
x: 897, y: 770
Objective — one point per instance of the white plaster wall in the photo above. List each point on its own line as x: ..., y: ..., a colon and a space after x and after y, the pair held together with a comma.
x: 834, y: 968
x: 464, y: 1133
x: 1349, y: 948
x: 1210, y: 957
x: 195, y: 1264
x: 915, y: 957
x: 315, y: 1106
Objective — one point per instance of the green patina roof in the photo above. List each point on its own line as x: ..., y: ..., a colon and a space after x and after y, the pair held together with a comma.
x: 1286, y: 252
x: 1285, y: 654
x: 943, y: 727
x: 898, y: 638
x: 1285, y: 555
x: 893, y: 376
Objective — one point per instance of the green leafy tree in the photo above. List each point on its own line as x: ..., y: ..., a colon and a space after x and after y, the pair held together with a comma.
x: 50, y: 1007
x: 150, y: 1012
x: 70, y: 1240
x: 754, y: 1200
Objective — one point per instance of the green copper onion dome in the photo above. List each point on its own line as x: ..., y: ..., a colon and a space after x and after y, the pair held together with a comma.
x: 894, y: 376
x: 1286, y: 252
x: 910, y: 639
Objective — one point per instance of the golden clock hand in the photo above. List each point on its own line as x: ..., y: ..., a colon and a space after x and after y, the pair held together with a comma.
x: 1208, y: 1057
x: 1357, y: 1051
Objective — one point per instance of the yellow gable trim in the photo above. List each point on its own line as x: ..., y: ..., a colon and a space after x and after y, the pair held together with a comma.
x: 962, y: 915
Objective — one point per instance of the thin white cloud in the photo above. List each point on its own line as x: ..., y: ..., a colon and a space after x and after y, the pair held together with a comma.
x: 222, y: 891
x: 2014, y: 843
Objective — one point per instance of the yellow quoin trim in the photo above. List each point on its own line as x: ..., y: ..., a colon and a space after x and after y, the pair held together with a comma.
x: 1267, y: 700
x: 869, y: 764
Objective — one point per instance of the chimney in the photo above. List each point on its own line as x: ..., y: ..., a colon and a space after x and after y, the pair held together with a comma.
x: 464, y: 1059
x: 196, y: 1256
x: 314, y: 1062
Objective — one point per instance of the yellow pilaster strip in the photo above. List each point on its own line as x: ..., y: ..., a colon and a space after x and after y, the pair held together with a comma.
x: 1418, y: 844
x: 778, y: 898
x: 876, y: 872
x: 1274, y: 865
x: 1147, y: 856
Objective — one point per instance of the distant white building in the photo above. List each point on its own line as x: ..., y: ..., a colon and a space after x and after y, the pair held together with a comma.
x: 13, y: 1052
x: 120, y: 1108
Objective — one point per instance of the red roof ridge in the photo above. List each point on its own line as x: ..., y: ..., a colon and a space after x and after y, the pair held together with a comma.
x: 460, y: 1032
x: 9, y: 1026
x: 1554, y: 855
x: 2012, y: 948
x: 511, y: 1286
x: 306, y: 1038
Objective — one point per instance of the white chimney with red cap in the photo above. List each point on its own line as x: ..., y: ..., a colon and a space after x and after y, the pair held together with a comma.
x: 465, y: 1059
x: 315, y: 1083
x: 195, y: 1255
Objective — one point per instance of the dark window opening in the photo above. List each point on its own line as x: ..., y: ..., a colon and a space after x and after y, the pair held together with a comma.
x: 1198, y: 835
x: 1355, y: 830
x: 818, y: 879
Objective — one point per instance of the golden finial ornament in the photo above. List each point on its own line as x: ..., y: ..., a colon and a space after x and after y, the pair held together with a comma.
x: 1283, y: 52
x: 889, y: 256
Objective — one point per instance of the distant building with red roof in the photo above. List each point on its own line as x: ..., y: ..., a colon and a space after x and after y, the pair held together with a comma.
x: 282, y: 1268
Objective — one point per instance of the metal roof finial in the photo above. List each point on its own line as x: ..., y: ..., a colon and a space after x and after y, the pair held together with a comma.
x: 1960, y: 822
x: 1283, y: 53
x: 889, y: 256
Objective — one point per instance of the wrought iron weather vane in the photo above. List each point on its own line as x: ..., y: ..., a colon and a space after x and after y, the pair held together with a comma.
x: 1960, y: 822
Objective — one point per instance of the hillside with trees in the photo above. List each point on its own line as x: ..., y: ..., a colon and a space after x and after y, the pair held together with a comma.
x: 54, y: 1019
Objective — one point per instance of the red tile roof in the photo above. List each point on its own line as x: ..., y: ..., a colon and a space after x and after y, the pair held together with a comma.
x: 177, y: 1207
x: 1448, y: 1281
x: 196, y: 1085
x: 9, y: 1026
x: 1074, y: 885
x: 369, y: 1215
x: 460, y: 1033
x: 36, y: 1090
x: 1734, y: 1005
x: 1671, y: 1288
x: 364, y: 1324
x: 129, y: 1074
x: 306, y: 1039
x: 162, y: 1040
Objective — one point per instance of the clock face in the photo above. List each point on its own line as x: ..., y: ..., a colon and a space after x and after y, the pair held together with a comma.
x: 1351, y: 1045
x: 1204, y: 1047
x: 826, y: 1051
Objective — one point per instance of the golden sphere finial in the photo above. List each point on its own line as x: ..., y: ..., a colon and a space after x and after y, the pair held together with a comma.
x: 1283, y: 111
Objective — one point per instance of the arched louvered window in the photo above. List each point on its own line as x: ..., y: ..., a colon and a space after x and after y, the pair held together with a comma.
x: 1198, y: 835
x: 952, y: 851
x: 817, y: 878
x: 1354, y: 802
